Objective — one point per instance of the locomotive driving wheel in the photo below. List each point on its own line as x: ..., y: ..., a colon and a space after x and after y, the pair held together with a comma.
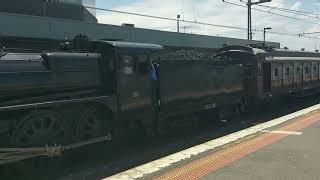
x: 40, y: 128
x: 90, y: 123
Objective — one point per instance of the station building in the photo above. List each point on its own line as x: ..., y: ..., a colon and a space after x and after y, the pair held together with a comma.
x: 42, y: 23
x: 62, y: 9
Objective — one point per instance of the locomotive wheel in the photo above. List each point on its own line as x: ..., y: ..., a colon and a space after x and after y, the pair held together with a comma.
x: 90, y: 123
x: 40, y: 128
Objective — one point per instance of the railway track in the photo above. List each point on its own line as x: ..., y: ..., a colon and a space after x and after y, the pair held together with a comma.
x: 101, y: 160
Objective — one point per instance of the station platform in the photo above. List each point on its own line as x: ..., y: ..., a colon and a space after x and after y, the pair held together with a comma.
x: 284, y: 148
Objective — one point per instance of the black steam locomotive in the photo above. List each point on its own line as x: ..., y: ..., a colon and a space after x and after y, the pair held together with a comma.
x: 74, y: 96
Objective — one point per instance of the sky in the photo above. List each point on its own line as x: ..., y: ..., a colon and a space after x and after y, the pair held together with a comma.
x: 218, y: 12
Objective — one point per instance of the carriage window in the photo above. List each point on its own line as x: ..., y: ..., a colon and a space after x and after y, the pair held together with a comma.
x: 276, y: 72
x: 298, y: 69
x: 306, y: 70
x: 287, y: 71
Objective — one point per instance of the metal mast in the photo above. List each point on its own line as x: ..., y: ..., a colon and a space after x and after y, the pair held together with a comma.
x: 249, y: 4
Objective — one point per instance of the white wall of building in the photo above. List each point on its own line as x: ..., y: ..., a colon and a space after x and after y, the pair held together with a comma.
x: 42, y: 27
x: 72, y: 1
x: 90, y: 3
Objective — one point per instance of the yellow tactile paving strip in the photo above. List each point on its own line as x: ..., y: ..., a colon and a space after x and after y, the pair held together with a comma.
x: 212, y: 162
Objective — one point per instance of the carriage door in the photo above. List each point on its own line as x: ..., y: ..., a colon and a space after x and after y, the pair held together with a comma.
x: 298, y: 74
x: 249, y: 79
x: 306, y: 73
x: 315, y: 72
x: 134, y: 87
x: 267, y: 77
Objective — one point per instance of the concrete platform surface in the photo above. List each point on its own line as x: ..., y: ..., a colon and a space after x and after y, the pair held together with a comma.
x: 285, y: 148
x: 295, y: 157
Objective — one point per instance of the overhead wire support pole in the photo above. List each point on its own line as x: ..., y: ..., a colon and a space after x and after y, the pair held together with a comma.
x: 264, y: 33
x: 178, y: 23
x: 249, y: 20
x: 249, y: 4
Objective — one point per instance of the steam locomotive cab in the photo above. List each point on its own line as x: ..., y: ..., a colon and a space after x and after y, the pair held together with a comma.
x: 134, y: 85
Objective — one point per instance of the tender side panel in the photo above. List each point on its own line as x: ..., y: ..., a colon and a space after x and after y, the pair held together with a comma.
x: 187, y: 86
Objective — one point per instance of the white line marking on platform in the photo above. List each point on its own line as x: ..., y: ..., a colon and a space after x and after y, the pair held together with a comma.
x: 154, y: 166
x: 283, y: 132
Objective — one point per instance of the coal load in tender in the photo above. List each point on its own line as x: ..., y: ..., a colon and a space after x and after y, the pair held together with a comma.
x: 192, y: 54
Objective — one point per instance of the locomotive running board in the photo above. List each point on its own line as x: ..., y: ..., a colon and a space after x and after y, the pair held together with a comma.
x: 15, y: 107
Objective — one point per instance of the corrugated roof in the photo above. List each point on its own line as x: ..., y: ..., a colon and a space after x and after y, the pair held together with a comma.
x: 121, y: 44
x: 293, y: 59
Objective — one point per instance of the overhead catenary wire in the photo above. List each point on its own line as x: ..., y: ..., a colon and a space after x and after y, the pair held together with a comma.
x: 317, y: 32
x: 297, y: 12
x: 310, y: 37
x: 289, y: 10
x: 167, y: 18
x: 300, y: 13
x: 286, y: 10
x: 193, y: 10
x: 277, y: 14
x: 193, y: 22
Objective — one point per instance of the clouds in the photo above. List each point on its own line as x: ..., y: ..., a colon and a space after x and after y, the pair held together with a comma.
x: 216, y: 12
x: 296, y: 6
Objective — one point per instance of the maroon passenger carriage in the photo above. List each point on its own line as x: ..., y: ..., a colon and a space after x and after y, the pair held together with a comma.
x: 273, y: 72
